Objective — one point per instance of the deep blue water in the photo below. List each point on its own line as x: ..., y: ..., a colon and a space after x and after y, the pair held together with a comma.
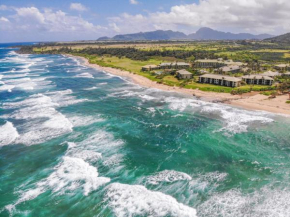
x: 75, y: 141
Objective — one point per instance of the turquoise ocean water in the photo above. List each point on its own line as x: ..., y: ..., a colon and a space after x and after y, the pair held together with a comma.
x: 75, y: 141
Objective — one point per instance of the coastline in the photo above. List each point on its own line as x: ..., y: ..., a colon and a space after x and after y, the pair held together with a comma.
x: 254, y: 101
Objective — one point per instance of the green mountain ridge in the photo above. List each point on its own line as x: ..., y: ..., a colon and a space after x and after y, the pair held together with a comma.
x: 201, y: 34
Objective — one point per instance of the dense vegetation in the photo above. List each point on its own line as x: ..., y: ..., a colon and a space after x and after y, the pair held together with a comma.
x: 137, y: 54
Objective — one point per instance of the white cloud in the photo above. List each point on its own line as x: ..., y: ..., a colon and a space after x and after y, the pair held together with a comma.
x: 51, y: 21
x: 30, y: 23
x: 3, y: 8
x: 134, y: 2
x: 4, y: 19
x: 256, y: 16
x: 114, y: 27
x: 77, y: 7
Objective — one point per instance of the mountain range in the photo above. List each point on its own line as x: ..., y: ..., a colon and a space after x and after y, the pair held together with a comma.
x: 201, y: 34
x: 280, y: 39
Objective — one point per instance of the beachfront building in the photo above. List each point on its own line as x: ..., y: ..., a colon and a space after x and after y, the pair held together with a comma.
x: 271, y: 74
x: 221, y: 80
x: 174, y: 65
x: 207, y: 63
x: 217, y: 63
x: 258, y: 79
x: 229, y: 69
x: 282, y: 67
x: 184, y: 74
x: 150, y: 67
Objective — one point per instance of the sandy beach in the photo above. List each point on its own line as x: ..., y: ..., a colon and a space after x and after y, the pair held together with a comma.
x: 254, y: 101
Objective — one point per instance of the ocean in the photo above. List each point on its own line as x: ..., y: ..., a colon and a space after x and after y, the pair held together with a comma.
x: 75, y: 141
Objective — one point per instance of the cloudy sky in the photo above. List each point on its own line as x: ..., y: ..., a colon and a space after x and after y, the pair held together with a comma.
x: 66, y: 20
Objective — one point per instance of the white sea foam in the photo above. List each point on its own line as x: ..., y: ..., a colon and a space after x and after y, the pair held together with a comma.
x: 113, y: 160
x: 54, y: 127
x: 79, y: 121
x: 168, y: 176
x: 6, y: 87
x: 84, y: 75
x: 64, y: 98
x: 88, y: 155
x: 38, y: 106
x: 91, y: 88
x: 265, y: 202
x: 69, y: 175
x: 14, y: 76
x: 8, y: 134
x: 74, y: 173
x: 235, y: 120
x: 136, y: 200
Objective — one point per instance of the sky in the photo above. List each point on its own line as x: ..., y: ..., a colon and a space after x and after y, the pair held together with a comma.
x: 69, y: 20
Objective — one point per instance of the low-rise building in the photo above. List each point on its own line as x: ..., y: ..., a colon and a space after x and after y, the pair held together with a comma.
x: 221, y: 80
x: 282, y: 67
x: 216, y: 63
x: 245, y: 70
x: 150, y: 67
x: 286, y: 74
x: 174, y: 65
x: 184, y: 74
x: 271, y: 74
x: 207, y: 63
x: 258, y: 79
x: 229, y: 69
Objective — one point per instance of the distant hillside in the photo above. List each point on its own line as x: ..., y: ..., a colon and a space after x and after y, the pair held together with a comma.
x: 155, y: 35
x: 210, y: 34
x: 280, y: 39
x: 201, y: 34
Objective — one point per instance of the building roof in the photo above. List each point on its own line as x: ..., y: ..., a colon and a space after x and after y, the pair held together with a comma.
x: 229, y: 68
x: 150, y: 66
x: 175, y: 63
x: 184, y: 72
x: 271, y: 74
x: 209, y: 61
x: 222, y: 77
x: 286, y: 73
x: 282, y: 65
x: 257, y: 77
x: 182, y: 64
x: 165, y: 64
x: 221, y: 61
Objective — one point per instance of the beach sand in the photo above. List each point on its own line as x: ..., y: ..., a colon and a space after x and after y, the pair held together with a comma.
x: 253, y: 101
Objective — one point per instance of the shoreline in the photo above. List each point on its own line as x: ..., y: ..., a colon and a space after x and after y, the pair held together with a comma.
x: 253, y: 101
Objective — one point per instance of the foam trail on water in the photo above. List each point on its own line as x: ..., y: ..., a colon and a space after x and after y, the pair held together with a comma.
x: 69, y: 175
x: 136, y: 200
x: 168, y: 176
x: 84, y: 75
x: 8, y: 134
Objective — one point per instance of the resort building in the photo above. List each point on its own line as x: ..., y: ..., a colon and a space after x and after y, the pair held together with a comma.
x: 184, y: 74
x: 212, y: 63
x: 282, y: 67
x: 245, y: 70
x: 271, y: 74
x: 258, y: 79
x: 209, y: 63
x: 221, y: 80
x: 174, y: 65
x: 229, y: 69
x: 150, y: 67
